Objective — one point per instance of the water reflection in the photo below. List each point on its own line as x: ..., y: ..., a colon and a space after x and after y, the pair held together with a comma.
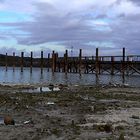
x: 71, y: 78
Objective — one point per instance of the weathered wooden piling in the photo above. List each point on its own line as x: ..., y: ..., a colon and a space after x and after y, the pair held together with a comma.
x: 48, y: 62
x: 112, y: 65
x: 80, y: 61
x: 66, y: 61
x: 41, y: 64
x: 53, y: 62
x: 22, y: 61
x: 97, y: 62
x: 6, y: 62
x: 128, y: 65
x: 13, y: 61
x: 123, y: 65
x: 31, y: 62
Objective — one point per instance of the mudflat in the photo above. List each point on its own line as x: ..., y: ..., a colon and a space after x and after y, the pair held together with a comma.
x: 72, y: 113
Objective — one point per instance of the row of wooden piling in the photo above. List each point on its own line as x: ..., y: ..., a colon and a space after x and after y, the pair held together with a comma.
x: 52, y: 62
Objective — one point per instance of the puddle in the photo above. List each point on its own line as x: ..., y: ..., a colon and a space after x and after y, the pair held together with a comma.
x: 41, y: 89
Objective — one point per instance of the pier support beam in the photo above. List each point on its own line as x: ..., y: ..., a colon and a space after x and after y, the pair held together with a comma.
x: 48, y: 62
x: 80, y: 61
x: 123, y: 65
x: 66, y: 62
x: 31, y: 63
x: 22, y: 61
x: 53, y: 62
x: 6, y: 62
x: 97, y: 62
x: 112, y: 65
x: 41, y: 62
x: 13, y: 61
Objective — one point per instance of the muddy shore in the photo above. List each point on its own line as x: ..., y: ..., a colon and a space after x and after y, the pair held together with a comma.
x: 72, y: 113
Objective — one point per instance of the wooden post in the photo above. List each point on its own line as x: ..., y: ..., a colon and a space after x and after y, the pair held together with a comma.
x: 112, y: 65
x: 48, y: 63
x: 99, y: 65
x: 128, y: 64
x: 6, y: 61
x: 22, y: 60
x: 123, y: 65
x: 13, y: 61
x: 53, y: 62
x: 80, y: 61
x: 66, y: 62
x: 97, y: 62
x: 41, y: 62
x: 31, y: 63
x: 56, y: 57
x: 123, y: 54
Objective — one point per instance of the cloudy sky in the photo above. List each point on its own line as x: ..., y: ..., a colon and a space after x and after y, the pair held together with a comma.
x: 35, y: 25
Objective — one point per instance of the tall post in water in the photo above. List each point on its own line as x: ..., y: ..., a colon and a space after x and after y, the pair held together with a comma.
x: 41, y: 62
x: 112, y: 65
x: 48, y: 63
x: 128, y: 65
x: 13, y: 61
x: 123, y: 66
x: 66, y: 62
x: 31, y: 63
x: 56, y: 58
x: 6, y: 61
x: 53, y: 62
x: 22, y: 59
x: 80, y: 61
x: 97, y: 62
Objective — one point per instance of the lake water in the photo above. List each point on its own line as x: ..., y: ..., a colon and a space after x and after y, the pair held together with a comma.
x: 18, y: 77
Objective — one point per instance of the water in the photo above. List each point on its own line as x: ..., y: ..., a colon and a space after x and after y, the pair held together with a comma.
x: 41, y: 89
x: 25, y: 77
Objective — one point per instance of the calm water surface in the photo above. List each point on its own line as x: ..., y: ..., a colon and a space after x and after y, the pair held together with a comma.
x: 18, y: 77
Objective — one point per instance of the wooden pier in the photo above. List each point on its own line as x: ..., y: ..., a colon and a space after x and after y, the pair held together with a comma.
x: 96, y: 64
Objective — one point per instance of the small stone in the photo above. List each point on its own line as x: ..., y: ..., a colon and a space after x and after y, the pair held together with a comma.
x: 51, y: 87
x: 107, y: 128
x: 61, y: 86
x: 135, y: 117
x: 8, y: 120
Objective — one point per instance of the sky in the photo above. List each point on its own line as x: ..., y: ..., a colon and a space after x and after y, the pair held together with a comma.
x: 36, y: 25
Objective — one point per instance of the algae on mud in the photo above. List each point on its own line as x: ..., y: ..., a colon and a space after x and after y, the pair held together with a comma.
x: 76, y: 112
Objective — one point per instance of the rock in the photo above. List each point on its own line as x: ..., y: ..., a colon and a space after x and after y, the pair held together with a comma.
x: 51, y: 87
x: 106, y: 127
x: 8, y: 120
x: 135, y: 117
x: 60, y: 86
